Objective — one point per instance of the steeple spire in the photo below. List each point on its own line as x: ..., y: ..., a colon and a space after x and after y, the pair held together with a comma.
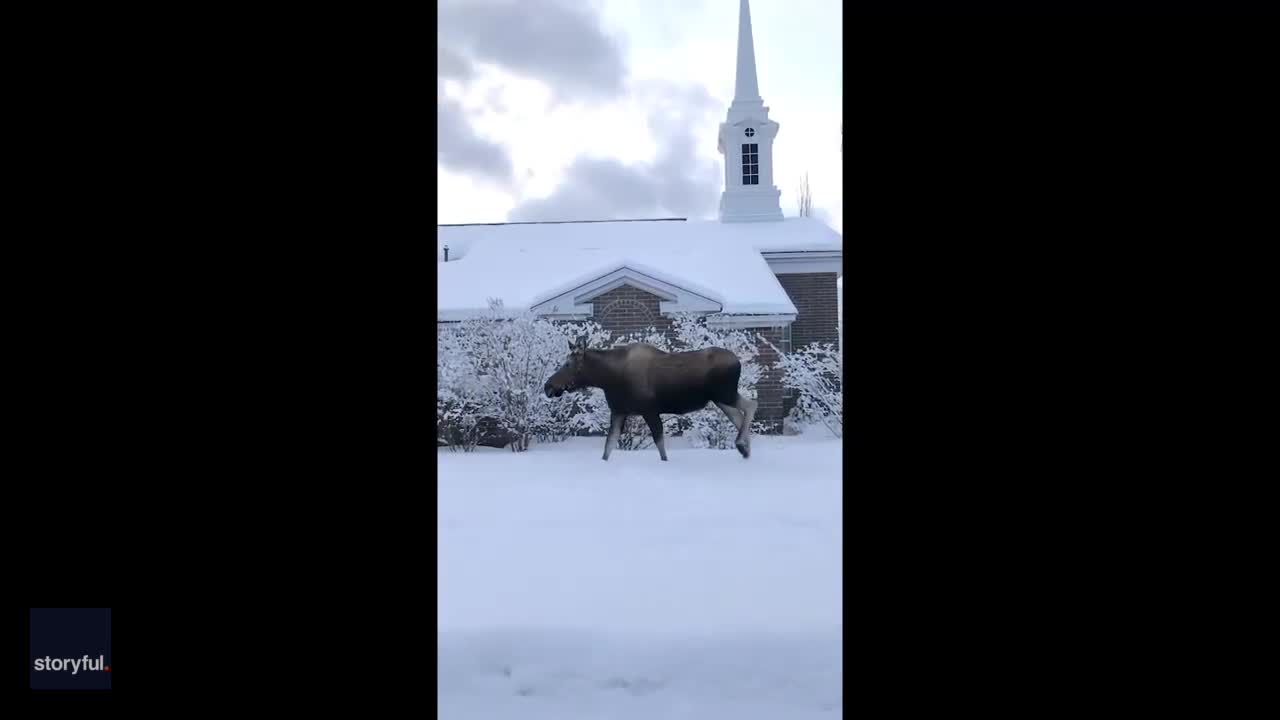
x: 746, y: 90
x: 746, y: 141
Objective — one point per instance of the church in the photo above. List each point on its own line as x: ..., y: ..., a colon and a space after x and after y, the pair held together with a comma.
x: 750, y: 268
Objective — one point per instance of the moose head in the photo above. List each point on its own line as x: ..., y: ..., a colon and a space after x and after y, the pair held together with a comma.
x: 569, y: 376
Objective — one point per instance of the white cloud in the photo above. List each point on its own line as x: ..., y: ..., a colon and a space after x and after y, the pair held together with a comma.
x: 575, y: 137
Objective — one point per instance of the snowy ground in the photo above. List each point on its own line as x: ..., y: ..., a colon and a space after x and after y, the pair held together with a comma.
x: 704, y: 587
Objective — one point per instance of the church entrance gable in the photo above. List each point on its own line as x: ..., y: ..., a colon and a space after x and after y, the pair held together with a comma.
x: 627, y: 310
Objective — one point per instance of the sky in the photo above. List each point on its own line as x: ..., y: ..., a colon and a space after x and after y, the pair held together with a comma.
x: 600, y: 109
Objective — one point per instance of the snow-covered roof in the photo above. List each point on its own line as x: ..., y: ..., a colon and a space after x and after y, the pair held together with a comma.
x: 793, y: 234
x: 526, y: 264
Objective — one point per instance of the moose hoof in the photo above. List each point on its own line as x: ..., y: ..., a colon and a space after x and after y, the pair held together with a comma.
x: 744, y: 448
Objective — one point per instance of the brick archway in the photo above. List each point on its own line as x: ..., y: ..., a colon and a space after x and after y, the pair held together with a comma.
x: 626, y: 310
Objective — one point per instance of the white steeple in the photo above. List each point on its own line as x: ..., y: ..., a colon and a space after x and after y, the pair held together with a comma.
x: 746, y: 141
x: 746, y: 89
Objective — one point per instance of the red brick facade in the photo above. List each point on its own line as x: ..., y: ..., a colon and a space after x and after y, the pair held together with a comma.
x: 817, y: 300
x: 769, y: 388
x: 817, y: 307
x: 626, y: 310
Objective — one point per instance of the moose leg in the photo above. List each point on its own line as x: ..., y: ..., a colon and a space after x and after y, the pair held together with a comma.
x: 615, y: 429
x: 748, y: 409
x: 655, y: 427
x: 732, y: 413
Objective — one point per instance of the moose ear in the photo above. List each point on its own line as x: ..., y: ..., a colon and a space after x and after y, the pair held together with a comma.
x: 571, y: 345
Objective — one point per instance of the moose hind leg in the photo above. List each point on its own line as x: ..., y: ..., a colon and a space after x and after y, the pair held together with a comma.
x: 732, y: 413
x: 615, y: 429
x: 748, y: 408
x: 655, y: 427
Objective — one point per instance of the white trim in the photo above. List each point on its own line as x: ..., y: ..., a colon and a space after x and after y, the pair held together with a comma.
x: 784, y: 254
x: 749, y: 321
x: 620, y: 280
x: 682, y: 306
x: 815, y: 261
x: 581, y: 312
x: 672, y: 298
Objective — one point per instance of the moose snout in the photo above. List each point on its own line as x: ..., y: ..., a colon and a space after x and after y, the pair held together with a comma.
x: 549, y: 390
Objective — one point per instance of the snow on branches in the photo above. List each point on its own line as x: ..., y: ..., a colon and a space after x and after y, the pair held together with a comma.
x: 491, y: 370
x: 815, y: 372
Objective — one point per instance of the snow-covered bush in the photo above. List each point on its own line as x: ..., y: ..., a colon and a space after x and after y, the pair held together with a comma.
x: 583, y: 411
x: 814, y: 372
x: 460, y: 399
x: 491, y: 370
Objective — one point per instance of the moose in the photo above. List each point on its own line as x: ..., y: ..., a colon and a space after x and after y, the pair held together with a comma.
x: 639, y: 379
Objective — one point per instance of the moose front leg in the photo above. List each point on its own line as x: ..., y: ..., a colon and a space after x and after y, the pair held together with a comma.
x: 655, y: 427
x: 615, y: 429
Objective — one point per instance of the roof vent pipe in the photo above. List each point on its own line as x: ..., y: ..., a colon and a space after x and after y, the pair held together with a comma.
x: 446, y: 253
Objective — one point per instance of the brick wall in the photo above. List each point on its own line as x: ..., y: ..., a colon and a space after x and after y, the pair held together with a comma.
x: 769, y: 388
x: 817, y: 307
x: 625, y: 310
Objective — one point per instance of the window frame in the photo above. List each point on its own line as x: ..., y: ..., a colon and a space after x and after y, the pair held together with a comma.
x: 750, y: 164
